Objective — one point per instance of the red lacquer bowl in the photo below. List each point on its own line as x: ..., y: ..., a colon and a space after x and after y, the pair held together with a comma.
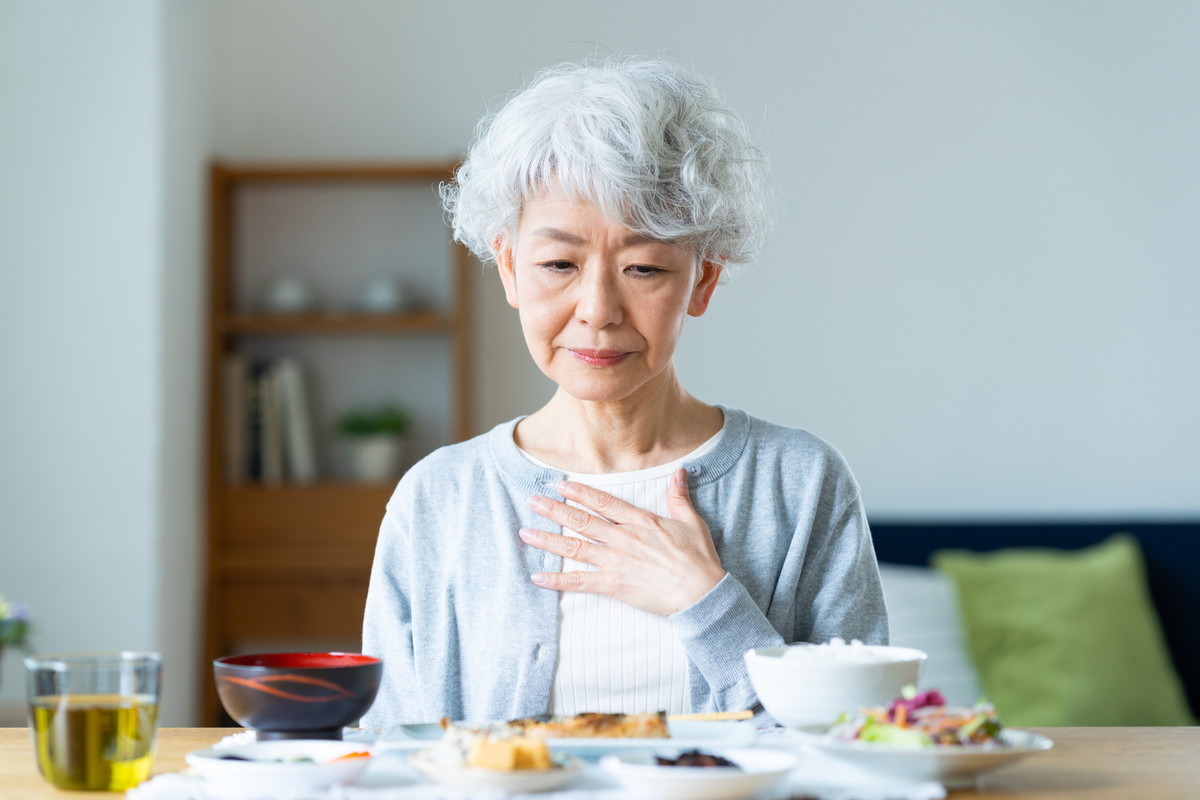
x: 297, y: 695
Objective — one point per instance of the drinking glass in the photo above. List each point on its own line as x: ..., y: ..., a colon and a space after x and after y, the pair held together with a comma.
x: 94, y: 717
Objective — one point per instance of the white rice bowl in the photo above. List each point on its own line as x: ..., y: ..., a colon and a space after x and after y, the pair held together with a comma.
x: 803, y: 685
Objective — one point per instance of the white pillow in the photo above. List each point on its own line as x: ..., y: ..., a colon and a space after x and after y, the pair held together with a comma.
x: 923, y: 613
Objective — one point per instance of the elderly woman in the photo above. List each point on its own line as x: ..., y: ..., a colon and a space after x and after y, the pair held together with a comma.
x: 620, y: 548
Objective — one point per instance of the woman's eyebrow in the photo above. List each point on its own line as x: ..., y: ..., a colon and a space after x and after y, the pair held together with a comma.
x: 559, y: 235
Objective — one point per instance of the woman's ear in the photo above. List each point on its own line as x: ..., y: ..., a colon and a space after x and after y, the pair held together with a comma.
x: 706, y: 284
x: 502, y: 251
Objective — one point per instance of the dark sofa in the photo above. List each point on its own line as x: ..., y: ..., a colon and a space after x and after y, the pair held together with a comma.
x: 1171, y: 551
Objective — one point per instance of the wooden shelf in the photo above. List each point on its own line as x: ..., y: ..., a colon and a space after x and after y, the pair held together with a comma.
x: 331, y: 323
x: 299, y: 172
x: 286, y: 561
x: 292, y: 518
x: 316, y: 487
x: 293, y: 563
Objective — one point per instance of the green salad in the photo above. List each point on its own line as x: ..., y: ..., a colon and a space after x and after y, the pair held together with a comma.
x: 921, y: 719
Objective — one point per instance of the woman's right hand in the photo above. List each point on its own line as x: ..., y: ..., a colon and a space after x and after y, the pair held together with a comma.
x: 661, y: 565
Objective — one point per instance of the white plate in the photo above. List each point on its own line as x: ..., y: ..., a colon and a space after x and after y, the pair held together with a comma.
x: 952, y: 765
x: 759, y: 768
x: 684, y: 735
x: 508, y: 781
x: 251, y: 777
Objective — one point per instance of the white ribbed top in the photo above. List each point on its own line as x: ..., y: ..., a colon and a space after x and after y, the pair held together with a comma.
x: 612, y: 657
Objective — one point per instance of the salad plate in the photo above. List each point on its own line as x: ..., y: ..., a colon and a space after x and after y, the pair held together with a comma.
x: 951, y: 765
x: 919, y: 737
x: 685, y: 734
x: 456, y: 776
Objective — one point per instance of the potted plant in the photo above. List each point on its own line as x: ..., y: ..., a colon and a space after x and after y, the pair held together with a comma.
x: 376, y: 435
x: 14, y: 626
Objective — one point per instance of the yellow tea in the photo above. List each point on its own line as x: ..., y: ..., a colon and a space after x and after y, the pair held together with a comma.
x: 94, y: 741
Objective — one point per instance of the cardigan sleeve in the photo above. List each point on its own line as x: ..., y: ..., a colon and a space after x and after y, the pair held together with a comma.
x: 841, y: 586
x: 838, y: 594
x: 717, y: 630
x: 387, y: 628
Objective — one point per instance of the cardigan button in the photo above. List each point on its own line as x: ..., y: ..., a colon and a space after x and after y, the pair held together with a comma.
x: 695, y: 470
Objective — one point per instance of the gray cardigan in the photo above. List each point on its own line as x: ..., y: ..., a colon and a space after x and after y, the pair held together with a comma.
x: 463, y: 633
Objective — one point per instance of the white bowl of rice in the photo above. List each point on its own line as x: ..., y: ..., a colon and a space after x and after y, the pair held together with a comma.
x: 806, y: 685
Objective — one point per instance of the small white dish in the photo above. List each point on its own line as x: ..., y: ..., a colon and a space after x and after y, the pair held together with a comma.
x: 513, y: 781
x: 702, y: 734
x: 952, y: 765
x: 757, y: 769
x: 271, y: 767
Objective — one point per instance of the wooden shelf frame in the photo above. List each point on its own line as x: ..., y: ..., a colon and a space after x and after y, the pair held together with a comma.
x: 286, y: 559
x: 266, y: 324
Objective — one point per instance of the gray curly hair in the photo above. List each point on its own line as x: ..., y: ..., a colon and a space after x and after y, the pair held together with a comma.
x: 651, y: 145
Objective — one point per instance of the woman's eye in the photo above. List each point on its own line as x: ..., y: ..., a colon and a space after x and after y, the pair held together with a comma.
x: 556, y: 267
x: 644, y: 270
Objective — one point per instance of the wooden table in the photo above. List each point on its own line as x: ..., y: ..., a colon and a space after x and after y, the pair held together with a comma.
x: 1086, y: 763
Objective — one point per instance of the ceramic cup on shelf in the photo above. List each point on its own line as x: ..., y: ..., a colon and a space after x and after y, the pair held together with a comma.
x: 289, y: 294
x: 382, y: 295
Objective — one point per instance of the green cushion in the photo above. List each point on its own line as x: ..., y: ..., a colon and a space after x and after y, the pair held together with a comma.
x: 1066, y: 637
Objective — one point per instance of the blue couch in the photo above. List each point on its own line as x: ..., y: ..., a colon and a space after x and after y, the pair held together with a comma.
x: 1171, y: 551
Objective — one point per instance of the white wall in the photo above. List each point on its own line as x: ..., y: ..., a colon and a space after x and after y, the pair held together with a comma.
x: 185, y: 57
x: 99, y: 257
x: 79, y: 254
x: 982, y: 288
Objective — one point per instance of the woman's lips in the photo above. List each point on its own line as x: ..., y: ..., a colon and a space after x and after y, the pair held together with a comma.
x: 600, y: 358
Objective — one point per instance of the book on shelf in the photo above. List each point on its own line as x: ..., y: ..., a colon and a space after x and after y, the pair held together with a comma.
x: 236, y: 406
x: 299, y: 448
x: 271, y: 429
x: 256, y: 398
x: 268, y: 432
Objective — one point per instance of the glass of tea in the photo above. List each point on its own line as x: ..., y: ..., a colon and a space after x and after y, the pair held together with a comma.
x: 94, y: 717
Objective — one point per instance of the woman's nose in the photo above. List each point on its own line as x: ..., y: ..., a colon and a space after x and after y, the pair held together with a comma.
x: 599, y: 302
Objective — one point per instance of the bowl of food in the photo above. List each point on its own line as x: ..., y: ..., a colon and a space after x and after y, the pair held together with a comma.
x: 496, y: 757
x: 674, y: 774
x: 802, y: 685
x: 297, y: 695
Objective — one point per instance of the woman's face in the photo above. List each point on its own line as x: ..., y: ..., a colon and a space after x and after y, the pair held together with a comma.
x: 601, y: 306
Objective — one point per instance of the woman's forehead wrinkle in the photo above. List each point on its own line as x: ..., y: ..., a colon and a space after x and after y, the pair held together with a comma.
x: 559, y: 235
x: 631, y: 239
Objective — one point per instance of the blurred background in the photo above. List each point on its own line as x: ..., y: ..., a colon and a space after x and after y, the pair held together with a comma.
x: 982, y: 287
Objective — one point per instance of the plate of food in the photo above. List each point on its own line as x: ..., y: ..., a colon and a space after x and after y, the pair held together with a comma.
x: 475, y: 759
x: 592, y: 735
x: 281, y: 766
x: 694, y: 774
x: 919, y: 737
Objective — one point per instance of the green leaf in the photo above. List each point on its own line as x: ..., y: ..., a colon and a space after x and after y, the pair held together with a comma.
x: 385, y: 418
